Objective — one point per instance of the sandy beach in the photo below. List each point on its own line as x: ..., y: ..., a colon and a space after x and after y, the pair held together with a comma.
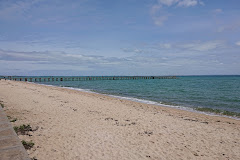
x: 74, y: 125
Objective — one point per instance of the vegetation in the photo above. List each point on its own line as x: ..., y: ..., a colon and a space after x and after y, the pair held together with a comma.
x: 12, y: 119
x: 2, y: 105
x: 220, y: 112
x: 27, y: 145
x: 23, y: 129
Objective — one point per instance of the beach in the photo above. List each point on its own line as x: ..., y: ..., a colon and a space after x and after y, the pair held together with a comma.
x: 72, y: 125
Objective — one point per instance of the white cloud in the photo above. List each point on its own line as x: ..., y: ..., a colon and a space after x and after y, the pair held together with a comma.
x: 165, y: 45
x: 180, y: 3
x: 42, y: 11
x: 201, y: 3
x: 16, y: 9
x: 158, y: 15
x: 158, y: 11
x: 229, y: 27
x: 216, y: 11
x: 238, y: 43
x: 202, y: 46
x: 179, y: 49
x: 50, y: 57
x: 168, y: 2
x: 148, y: 60
x: 159, y: 20
x: 188, y: 3
x: 155, y: 9
x: 132, y: 50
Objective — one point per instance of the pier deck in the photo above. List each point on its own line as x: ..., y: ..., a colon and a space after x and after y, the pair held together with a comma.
x: 82, y: 78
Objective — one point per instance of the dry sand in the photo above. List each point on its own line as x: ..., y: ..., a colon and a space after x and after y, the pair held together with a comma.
x: 76, y: 125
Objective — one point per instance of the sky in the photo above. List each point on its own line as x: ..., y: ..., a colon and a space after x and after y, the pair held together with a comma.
x: 119, y: 37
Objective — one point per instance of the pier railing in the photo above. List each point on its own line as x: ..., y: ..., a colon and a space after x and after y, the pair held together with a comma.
x: 82, y: 78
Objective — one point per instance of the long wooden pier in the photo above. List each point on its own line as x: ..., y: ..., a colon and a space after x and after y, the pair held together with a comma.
x: 81, y: 78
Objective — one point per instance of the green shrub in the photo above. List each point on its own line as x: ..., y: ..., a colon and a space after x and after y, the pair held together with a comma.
x: 2, y: 105
x: 12, y: 119
x: 23, y: 129
x: 27, y: 145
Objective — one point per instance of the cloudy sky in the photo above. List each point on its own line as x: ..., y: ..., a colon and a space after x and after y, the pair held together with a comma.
x: 119, y: 37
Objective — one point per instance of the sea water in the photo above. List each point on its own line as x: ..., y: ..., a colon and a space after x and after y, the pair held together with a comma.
x: 214, y: 92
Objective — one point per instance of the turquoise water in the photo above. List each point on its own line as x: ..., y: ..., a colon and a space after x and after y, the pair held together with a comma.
x: 216, y: 92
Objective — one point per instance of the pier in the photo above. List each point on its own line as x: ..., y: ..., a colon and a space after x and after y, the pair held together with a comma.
x: 80, y: 78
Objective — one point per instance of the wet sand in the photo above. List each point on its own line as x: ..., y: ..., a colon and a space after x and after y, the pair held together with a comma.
x: 75, y: 125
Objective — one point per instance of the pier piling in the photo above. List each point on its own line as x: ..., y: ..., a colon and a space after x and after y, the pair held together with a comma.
x: 85, y: 78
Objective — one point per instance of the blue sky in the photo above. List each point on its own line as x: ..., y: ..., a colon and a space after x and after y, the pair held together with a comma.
x: 119, y: 37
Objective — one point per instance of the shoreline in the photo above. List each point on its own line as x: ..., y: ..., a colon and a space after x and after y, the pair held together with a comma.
x: 80, y: 125
x: 148, y: 102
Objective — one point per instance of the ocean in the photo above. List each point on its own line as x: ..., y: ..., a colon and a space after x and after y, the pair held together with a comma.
x: 203, y: 93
